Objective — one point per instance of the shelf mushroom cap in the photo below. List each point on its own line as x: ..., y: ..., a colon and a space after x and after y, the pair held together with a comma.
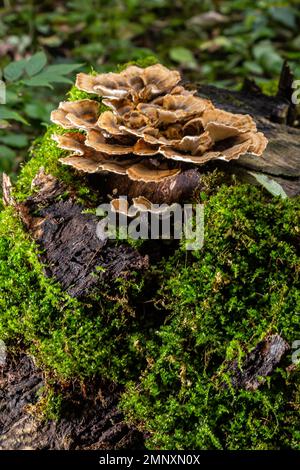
x: 153, y: 129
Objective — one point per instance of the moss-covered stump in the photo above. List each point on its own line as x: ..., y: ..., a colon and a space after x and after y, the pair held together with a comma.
x: 198, y: 345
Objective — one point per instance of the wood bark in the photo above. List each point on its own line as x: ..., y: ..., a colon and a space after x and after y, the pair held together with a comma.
x: 281, y: 159
x: 87, y: 423
x: 258, y: 363
x: 71, y: 249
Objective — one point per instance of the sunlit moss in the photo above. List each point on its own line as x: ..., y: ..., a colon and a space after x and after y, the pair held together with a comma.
x: 71, y: 338
x: 143, y: 62
x: 222, y: 301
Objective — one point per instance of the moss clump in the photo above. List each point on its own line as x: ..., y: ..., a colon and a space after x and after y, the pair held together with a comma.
x: 269, y: 87
x: 143, y: 63
x: 74, y: 94
x: 71, y: 338
x: 222, y: 302
x: 45, y: 153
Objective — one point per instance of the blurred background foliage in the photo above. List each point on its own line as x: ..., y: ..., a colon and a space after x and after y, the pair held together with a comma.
x: 43, y: 44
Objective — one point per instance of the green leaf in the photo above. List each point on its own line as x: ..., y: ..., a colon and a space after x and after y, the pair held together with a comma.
x: 267, y: 56
x: 253, y: 67
x: 181, y: 55
x: 36, y: 63
x: 14, y: 140
x: 6, y: 113
x: 284, y: 15
x: 6, y: 152
x: 45, y: 79
x: 219, y: 42
x: 14, y: 70
x: 38, y: 110
x: 38, y: 80
x: 270, y: 185
x: 12, y: 96
x: 61, y: 69
x: 59, y: 79
x: 296, y: 43
x: 50, y: 41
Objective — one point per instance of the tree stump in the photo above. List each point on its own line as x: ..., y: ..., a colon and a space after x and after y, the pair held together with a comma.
x: 71, y: 251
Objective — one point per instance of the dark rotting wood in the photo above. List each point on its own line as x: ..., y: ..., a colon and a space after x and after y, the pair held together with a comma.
x: 71, y: 249
x: 259, y: 363
x: 91, y: 422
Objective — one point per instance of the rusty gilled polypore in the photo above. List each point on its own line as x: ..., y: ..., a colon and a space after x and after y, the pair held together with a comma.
x: 154, y: 126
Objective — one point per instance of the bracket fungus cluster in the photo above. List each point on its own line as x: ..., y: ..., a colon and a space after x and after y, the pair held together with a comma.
x: 154, y: 126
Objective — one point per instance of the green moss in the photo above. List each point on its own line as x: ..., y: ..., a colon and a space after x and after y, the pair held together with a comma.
x: 75, y: 94
x: 143, y: 62
x: 269, y: 87
x: 50, y: 406
x: 222, y: 302
x: 70, y: 338
x: 211, y: 183
x: 45, y: 153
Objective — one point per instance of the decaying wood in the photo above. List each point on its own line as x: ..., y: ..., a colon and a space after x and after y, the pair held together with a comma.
x: 92, y: 422
x: 259, y: 363
x: 7, y: 197
x: 178, y: 188
x: 46, y: 188
x: 282, y: 155
x: 72, y: 251
x: 285, y: 91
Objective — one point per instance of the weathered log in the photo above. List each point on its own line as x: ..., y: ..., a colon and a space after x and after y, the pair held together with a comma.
x: 259, y: 363
x: 282, y: 155
x: 68, y: 237
x: 90, y: 422
x: 7, y: 197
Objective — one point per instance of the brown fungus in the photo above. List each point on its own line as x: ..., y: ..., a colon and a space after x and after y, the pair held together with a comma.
x: 134, y: 83
x: 153, y: 127
x: 140, y: 204
x: 81, y: 114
